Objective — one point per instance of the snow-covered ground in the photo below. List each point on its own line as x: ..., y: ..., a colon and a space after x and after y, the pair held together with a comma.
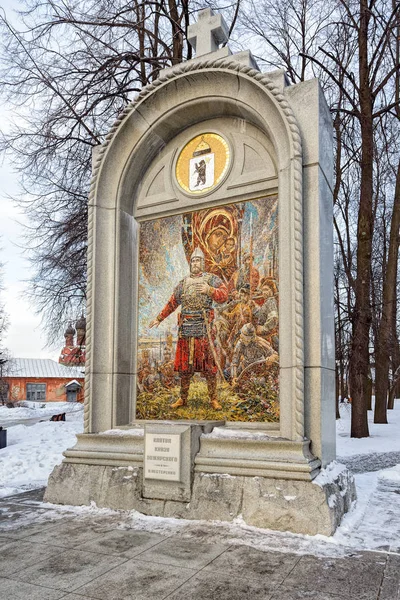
x: 372, y: 524
x: 36, y: 410
x: 382, y: 438
x: 374, y: 521
x: 33, y: 451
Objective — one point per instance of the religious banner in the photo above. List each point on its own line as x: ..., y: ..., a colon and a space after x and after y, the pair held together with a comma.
x: 208, y: 343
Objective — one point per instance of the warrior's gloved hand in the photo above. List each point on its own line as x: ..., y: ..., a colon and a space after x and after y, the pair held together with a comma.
x: 204, y: 288
x: 274, y: 358
x: 154, y: 323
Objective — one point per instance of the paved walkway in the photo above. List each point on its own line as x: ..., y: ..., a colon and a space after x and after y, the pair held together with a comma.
x: 49, y: 553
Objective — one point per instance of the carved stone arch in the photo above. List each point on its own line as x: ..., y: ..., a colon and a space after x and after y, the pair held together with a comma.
x: 180, y: 98
x: 252, y: 171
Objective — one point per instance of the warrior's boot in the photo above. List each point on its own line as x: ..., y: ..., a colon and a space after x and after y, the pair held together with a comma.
x: 185, y: 384
x: 178, y: 403
x: 212, y: 391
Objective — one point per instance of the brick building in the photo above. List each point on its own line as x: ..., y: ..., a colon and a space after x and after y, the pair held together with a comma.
x: 43, y: 380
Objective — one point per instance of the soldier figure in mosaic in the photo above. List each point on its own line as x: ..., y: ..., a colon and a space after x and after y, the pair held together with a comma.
x: 252, y: 355
x: 265, y: 312
x: 242, y: 276
x: 237, y: 316
x: 195, y: 351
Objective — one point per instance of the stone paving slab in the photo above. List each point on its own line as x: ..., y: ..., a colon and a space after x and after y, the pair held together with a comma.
x: 390, y: 588
x: 13, y: 513
x: 136, y: 580
x: 190, y: 554
x: 76, y: 597
x: 16, y: 590
x: 26, y: 531
x: 285, y: 594
x: 4, y: 540
x: 68, y: 570
x: 272, y: 567
x: 17, y: 556
x: 217, y: 586
x: 126, y: 543
x: 349, y: 577
x: 70, y: 534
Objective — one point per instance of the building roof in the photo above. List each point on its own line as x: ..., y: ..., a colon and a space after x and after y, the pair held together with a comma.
x: 42, y: 367
x: 73, y: 382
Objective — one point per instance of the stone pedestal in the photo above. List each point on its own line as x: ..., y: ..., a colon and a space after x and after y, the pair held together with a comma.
x: 268, y: 481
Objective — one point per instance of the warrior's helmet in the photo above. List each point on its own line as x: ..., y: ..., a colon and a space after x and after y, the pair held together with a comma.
x: 197, y: 253
x: 248, y: 333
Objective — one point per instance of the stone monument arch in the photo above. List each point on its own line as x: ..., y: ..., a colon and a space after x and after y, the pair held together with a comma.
x: 206, y: 153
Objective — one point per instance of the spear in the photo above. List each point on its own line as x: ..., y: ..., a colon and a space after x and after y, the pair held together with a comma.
x: 251, y: 257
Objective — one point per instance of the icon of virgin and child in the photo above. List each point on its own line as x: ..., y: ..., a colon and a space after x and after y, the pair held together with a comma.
x: 227, y: 304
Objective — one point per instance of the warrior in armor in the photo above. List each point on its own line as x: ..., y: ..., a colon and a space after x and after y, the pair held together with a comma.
x: 237, y: 316
x: 242, y: 276
x: 265, y: 313
x: 195, y: 351
x: 252, y: 354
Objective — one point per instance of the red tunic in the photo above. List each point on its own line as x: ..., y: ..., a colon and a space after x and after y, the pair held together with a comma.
x: 194, y: 354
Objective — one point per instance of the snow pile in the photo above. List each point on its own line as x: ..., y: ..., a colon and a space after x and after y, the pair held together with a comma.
x: 330, y: 474
x: 391, y: 475
x: 138, y: 432
x: 222, y: 432
x: 36, y: 410
x: 33, y: 452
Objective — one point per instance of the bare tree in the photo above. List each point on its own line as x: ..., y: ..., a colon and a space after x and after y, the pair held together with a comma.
x: 387, y: 341
x: 351, y: 46
x: 370, y: 96
x: 69, y: 71
x: 4, y: 354
x: 285, y: 33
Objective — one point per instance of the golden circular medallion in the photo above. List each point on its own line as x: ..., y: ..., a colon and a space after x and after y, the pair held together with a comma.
x: 202, y: 163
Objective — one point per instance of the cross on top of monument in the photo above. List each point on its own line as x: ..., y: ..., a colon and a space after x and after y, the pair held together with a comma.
x: 208, y: 33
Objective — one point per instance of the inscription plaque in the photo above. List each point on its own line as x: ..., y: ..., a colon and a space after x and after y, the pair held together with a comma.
x: 162, y: 456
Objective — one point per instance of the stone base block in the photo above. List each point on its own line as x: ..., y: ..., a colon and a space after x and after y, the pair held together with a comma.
x: 285, y: 505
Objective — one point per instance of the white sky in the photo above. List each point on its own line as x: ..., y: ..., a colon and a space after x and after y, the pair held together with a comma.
x: 25, y: 337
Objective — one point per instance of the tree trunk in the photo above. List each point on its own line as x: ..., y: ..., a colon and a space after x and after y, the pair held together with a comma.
x: 395, y: 351
x: 382, y: 354
x: 177, y: 41
x: 393, y: 387
x: 140, y: 15
x: 369, y: 394
x: 359, y: 366
x: 337, y: 392
x: 392, y: 395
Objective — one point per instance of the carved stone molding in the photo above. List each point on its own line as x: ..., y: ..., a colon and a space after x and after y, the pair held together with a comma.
x: 274, y: 94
